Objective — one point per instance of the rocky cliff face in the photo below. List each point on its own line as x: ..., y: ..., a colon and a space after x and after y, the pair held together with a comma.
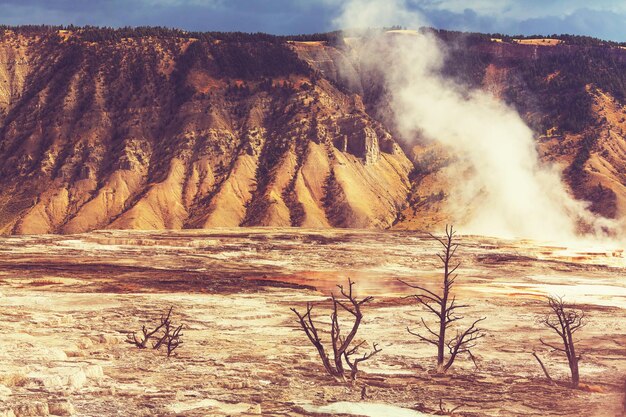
x: 149, y: 133
x: 155, y: 132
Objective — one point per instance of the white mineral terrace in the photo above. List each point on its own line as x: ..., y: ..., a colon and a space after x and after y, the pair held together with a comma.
x: 67, y: 303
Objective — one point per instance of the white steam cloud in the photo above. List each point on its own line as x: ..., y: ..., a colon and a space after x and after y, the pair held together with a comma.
x: 512, y: 193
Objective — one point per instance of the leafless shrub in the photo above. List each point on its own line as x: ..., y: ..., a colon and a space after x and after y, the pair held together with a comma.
x: 170, y: 337
x: 445, y: 308
x: 444, y: 411
x: 344, y: 352
x: 173, y: 340
x: 564, y: 320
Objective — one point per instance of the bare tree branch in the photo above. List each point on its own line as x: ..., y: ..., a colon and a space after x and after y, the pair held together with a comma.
x: 445, y: 308
x: 342, y: 348
x: 147, y: 334
x: 171, y: 337
x: 545, y: 371
x: 446, y: 411
x: 565, y: 321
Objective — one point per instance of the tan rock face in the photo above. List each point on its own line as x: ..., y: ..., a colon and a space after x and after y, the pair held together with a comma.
x: 150, y: 133
x: 169, y: 132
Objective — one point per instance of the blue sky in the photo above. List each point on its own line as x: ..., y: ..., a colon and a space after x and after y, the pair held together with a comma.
x: 600, y: 18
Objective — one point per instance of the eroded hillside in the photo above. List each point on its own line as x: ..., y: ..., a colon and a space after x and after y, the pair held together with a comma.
x: 166, y: 130
x: 570, y: 91
x: 154, y: 133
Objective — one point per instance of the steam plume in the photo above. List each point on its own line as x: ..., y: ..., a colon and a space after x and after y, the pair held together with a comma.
x: 512, y: 193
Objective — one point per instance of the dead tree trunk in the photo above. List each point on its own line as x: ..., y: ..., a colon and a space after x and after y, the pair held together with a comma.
x: 565, y: 322
x: 341, y: 349
x: 444, y: 307
x: 624, y: 401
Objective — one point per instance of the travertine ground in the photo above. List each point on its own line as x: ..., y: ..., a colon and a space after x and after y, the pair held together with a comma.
x: 67, y: 303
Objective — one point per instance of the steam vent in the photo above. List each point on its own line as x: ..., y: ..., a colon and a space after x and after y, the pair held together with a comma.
x: 255, y: 208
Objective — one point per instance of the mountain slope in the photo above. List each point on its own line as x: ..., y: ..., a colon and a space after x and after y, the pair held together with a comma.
x: 570, y: 90
x: 153, y: 133
x: 152, y: 129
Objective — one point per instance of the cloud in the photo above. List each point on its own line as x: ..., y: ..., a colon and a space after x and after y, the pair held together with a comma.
x: 375, y: 13
x: 521, y: 10
x: 273, y: 16
x: 600, y: 24
x: 601, y: 18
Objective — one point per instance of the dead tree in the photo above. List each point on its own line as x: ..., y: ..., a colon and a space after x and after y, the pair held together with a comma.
x: 344, y: 355
x: 173, y: 340
x: 624, y: 401
x: 565, y: 321
x: 147, y: 334
x: 170, y: 337
x: 444, y: 307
